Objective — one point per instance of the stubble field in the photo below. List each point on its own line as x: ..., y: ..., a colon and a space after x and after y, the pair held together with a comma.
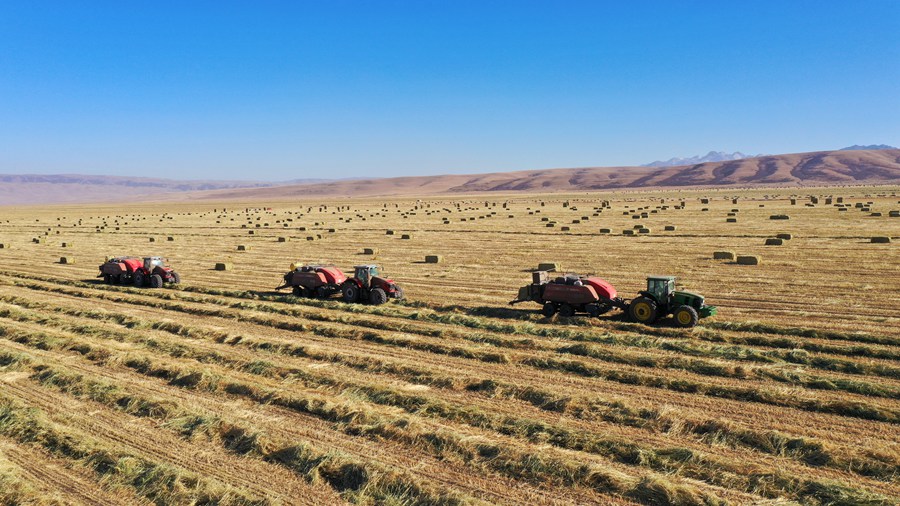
x: 223, y: 391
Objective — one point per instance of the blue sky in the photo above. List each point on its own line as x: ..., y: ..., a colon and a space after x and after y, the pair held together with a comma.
x: 283, y: 90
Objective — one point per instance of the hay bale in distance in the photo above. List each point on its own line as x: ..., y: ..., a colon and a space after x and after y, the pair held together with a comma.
x: 283, y: 239
x: 170, y: 238
x: 433, y: 259
x: 730, y: 220
x: 786, y: 237
x: 779, y: 217
x: 224, y: 266
x: 152, y: 239
x: 723, y: 255
x: 549, y: 266
x: 605, y: 230
x: 406, y: 236
x: 670, y: 228
x: 66, y: 260
x: 748, y: 259
x: 881, y: 240
x: 774, y: 241
x: 370, y: 251
x: 243, y: 247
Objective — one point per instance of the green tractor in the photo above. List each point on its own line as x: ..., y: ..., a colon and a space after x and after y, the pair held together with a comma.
x: 660, y: 299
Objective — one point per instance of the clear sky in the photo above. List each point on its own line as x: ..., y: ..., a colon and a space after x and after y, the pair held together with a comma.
x: 332, y: 88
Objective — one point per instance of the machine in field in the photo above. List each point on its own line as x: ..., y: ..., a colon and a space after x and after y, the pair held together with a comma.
x: 149, y: 271
x: 319, y: 281
x: 660, y: 299
x: 572, y: 294
x: 367, y: 286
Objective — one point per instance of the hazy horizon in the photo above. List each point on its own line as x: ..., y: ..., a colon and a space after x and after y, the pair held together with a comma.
x: 346, y: 89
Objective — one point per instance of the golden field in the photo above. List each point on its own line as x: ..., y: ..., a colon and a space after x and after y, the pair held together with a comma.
x: 223, y: 391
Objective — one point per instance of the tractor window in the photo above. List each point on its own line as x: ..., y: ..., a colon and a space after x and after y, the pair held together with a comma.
x: 671, y: 286
x: 373, y: 272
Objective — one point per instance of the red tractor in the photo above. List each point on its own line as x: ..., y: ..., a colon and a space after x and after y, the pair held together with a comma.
x: 570, y: 294
x: 366, y: 285
x: 151, y: 271
x: 319, y: 281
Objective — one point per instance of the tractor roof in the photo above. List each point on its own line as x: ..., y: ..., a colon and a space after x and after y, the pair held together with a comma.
x: 664, y: 278
x: 367, y: 266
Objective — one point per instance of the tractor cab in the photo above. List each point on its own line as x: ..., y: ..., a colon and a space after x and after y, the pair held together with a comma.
x: 151, y: 263
x: 661, y: 288
x: 365, y: 273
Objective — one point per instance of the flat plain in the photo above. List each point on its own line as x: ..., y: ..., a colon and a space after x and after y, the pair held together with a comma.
x: 223, y: 391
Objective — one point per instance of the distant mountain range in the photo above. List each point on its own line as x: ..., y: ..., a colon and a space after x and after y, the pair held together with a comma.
x: 712, y: 156
x: 822, y: 168
x: 857, y: 147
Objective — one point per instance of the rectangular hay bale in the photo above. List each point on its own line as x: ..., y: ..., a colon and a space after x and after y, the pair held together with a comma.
x: 224, y: 266
x: 748, y: 259
x: 723, y: 255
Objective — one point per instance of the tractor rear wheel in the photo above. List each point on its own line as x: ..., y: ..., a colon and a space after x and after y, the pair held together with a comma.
x: 176, y: 278
x: 156, y: 281
x: 350, y: 292
x: 549, y: 309
x: 642, y: 310
x: 566, y: 310
x: 321, y: 293
x: 138, y: 280
x: 377, y: 297
x: 686, y: 316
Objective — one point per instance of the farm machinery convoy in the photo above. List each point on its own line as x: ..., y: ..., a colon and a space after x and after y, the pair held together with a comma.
x: 566, y: 295
x: 571, y: 294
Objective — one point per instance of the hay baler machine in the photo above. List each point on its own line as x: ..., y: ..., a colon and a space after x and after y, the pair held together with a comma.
x: 319, y: 281
x: 570, y: 294
x: 367, y: 285
x: 119, y: 270
x: 149, y: 271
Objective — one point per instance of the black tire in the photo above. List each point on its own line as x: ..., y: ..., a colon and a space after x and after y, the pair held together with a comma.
x: 686, y: 316
x: 138, y: 280
x: 377, y: 297
x: 321, y: 293
x: 123, y: 279
x: 156, y: 281
x: 108, y: 279
x: 566, y: 310
x: 549, y: 309
x: 176, y: 278
x: 297, y: 291
x: 643, y: 310
x: 350, y: 292
x: 593, y: 310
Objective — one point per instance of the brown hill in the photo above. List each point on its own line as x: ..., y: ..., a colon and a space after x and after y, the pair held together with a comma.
x: 817, y: 168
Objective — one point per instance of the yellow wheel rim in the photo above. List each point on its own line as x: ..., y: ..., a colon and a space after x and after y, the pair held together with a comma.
x: 642, y: 310
x: 684, y: 317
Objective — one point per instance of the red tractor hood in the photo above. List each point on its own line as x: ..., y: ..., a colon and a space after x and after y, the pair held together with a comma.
x: 602, y: 287
x: 333, y: 275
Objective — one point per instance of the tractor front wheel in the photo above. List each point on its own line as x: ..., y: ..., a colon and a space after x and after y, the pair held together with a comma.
x: 156, y: 281
x: 377, y: 296
x: 686, y: 316
x: 549, y: 309
x: 566, y: 310
x: 176, y: 278
x: 642, y: 310
x: 138, y: 280
x: 350, y: 292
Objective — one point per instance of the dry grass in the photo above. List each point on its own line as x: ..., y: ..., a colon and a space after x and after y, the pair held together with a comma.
x: 201, y: 392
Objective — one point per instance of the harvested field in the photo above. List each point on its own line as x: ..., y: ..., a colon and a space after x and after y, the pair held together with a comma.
x: 221, y: 390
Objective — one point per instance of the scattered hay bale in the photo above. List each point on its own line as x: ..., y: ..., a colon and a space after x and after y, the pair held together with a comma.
x: 66, y: 245
x: 243, y: 247
x: 152, y: 239
x: 628, y: 232
x: 370, y: 251
x: 224, y: 266
x: 670, y: 228
x: 723, y: 255
x: 748, y: 259
x: 875, y: 214
x: 779, y: 217
x: 881, y: 240
x: 894, y: 214
x: 4, y: 245
x: 730, y: 220
x: 389, y: 232
x: 605, y: 230
x: 549, y: 266
x: 774, y: 241
x: 564, y: 229
x: 433, y: 259
x: 406, y: 236
x: 643, y: 230
x: 786, y: 237
x: 310, y: 238
x: 66, y: 260
x: 170, y: 239
x: 283, y: 239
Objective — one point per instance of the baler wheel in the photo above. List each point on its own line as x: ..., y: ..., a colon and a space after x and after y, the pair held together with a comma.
x: 138, y: 280
x: 549, y: 309
x: 350, y: 292
x: 298, y: 291
x: 642, y: 310
x: 593, y: 310
x: 686, y: 316
x: 156, y: 281
x: 321, y: 293
x: 107, y: 278
x: 123, y: 279
x: 566, y: 310
x: 377, y: 297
